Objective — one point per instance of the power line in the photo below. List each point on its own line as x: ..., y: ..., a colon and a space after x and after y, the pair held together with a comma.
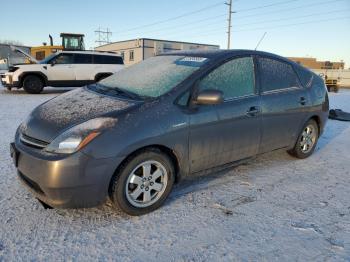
x: 288, y: 9
x: 246, y: 16
x: 295, y: 17
x: 264, y: 6
x: 206, y: 33
x: 186, y: 25
x: 183, y: 25
x: 259, y: 22
x: 287, y: 25
x: 203, y: 25
x: 174, y: 18
x: 221, y: 16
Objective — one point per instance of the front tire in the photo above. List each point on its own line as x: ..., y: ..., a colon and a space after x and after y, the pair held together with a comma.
x: 143, y: 182
x: 33, y: 84
x: 307, y: 140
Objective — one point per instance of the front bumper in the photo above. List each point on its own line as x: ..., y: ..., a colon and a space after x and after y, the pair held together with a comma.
x: 75, y: 181
x: 7, y: 81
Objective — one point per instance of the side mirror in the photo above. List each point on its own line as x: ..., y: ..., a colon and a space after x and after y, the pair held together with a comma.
x: 209, y: 97
x: 53, y: 62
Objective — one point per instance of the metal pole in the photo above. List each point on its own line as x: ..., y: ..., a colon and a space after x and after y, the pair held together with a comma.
x: 229, y: 24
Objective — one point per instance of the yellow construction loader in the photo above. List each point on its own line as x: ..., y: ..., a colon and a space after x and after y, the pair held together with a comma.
x: 70, y: 42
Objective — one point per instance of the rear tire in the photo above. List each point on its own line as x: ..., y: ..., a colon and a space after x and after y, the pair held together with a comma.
x: 33, y: 84
x: 307, y: 140
x: 143, y: 182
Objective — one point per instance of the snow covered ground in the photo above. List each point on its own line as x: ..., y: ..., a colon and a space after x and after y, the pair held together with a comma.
x: 273, y: 208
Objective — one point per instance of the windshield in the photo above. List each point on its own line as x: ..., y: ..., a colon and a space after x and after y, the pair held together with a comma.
x: 47, y: 59
x: 154, y: 76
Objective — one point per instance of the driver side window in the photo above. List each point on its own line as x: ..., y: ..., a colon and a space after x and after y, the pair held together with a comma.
x: 235, y: 78
x: 64, y: 59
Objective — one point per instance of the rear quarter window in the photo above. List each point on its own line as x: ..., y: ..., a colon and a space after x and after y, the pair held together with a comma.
x: 305, y: 76
x: 318, y: 86
x: 276, y: 75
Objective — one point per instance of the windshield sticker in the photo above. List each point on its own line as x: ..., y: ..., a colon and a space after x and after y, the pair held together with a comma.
x: 191, y: 61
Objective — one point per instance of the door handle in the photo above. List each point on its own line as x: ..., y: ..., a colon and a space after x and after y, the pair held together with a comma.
x: 253, y: 111
x: 302, y: 101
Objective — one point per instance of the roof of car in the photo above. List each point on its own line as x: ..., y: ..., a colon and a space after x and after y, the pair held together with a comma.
x: 221, y: 53
x: 91, y: 52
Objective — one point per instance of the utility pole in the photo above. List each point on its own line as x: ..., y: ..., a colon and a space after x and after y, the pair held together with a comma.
x: 229, y: 23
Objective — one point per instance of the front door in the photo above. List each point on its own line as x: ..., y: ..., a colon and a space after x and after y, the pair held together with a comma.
x: 230, y: 131
x: 61, y: 68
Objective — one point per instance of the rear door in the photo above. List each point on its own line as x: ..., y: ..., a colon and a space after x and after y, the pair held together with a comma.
x: 83, y: 67
x: 230, y: 131
x: 283, y: 101
x: 62, y: 68
x: 108, y: 63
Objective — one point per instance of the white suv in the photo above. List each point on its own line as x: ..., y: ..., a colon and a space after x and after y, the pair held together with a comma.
x: 66, y: 68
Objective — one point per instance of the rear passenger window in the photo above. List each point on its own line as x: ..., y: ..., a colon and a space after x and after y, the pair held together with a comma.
x: 104, y: 59
x: 82, y: 59
x: 276, y: 75
x: 234, y: 78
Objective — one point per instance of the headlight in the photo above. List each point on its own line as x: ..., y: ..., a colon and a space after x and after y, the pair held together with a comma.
x: 80, y: 135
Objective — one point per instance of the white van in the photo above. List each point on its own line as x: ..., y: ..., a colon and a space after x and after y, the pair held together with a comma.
x: 66, y: 68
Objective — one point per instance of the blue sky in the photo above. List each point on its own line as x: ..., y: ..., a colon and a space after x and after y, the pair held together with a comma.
x: 317, y: 28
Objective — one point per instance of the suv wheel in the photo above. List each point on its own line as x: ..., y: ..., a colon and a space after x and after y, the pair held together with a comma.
x: 307, y: 140
x: 33, y: 84
x: 143, y: 183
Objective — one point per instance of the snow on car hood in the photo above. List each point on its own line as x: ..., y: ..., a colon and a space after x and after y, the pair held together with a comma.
x: 50, y: 119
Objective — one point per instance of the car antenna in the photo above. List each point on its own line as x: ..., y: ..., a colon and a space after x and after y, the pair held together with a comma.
x: 260, y: 41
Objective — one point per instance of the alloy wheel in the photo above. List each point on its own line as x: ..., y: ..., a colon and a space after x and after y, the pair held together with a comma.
x: 308, y: 139
x: 146, y: 184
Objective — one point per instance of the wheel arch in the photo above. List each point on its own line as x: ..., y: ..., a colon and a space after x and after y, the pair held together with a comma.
x: 163, y: 149
x: 100, y: 76
x: 36, y: 73
x: 318, y: 122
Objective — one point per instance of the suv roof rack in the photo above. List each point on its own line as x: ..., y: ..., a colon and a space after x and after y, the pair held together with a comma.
x: 88, y: 51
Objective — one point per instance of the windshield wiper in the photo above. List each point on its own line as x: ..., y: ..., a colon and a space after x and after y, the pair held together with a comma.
x: 116, y: 91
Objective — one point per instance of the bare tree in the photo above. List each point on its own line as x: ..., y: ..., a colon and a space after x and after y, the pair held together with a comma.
x: 10, y: 42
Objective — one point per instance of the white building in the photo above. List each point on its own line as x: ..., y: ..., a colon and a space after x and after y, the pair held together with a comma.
x: 136, y: 50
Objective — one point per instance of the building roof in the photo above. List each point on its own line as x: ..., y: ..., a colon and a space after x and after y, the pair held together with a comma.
x: 161, y: 40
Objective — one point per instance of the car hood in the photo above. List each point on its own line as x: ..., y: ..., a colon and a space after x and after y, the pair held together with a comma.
x: 20, y: 51
x: 50, y: 119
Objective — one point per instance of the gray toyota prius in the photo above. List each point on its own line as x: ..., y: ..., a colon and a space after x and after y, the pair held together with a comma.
x: 133, y: 135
